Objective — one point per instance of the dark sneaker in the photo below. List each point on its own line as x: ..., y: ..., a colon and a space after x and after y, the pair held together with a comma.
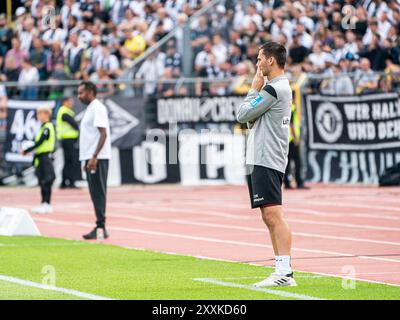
x: 93, y: 234
x: 303, y: 187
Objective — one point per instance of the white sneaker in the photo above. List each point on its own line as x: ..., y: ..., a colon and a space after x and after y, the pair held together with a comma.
x: 277, y: 280
x: 44, y: 208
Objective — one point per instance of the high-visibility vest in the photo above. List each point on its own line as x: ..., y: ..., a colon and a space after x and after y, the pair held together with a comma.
x: 296, y: 124
x: 49, y: 145
x: 64, y: 129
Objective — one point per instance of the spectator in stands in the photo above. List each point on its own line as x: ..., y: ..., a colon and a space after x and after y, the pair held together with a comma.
x: 14, y: 60
x: 58, y: 74
x: 51, y: 36
x: 73, y: 54
x: 133, y: 46
x: 130, y: 20
x: 337, y: 83
x: 219, y: 22
x: 105, y: 88
x: 375, y: 53
x: 85, y: 71
x: 202, y: 60
x: 38, y: 56
x: 235, y: 55
x: 95, y: 50
x: 392, y: 71
x: 173, y: 59
x: 150, y: 71
x: 365, y: 79
x: 241, y: 83
x: 27, y: 33
x: 201, y: 35
x: 5, y: 37
x: 385, y: 84
x: 318, y: 58
x: 28, y: 75
x: 219, y: 49
x: 297, y: 52
x: 108, y: 62
x: 312, y: 32
x: 118, y: 8
x: 213, y: 71
x: 166, y: 89
x: 161, y: 25
x: 305, y: 39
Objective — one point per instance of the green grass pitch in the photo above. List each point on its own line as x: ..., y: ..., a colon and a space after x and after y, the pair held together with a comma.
x: 119, y: 273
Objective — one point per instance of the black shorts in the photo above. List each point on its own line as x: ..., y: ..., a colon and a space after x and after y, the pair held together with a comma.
x: 265, y: 186
x: 45, y: 170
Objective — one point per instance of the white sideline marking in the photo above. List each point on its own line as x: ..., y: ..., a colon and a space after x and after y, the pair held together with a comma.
x: 249, y: 287
x: 72, y: 292
x: 41, y: 245
x: 207, y: 239
x: 247, y: 278
x: 50, y: 221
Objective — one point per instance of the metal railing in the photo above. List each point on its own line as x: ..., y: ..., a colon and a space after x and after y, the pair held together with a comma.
x: 126, y: 87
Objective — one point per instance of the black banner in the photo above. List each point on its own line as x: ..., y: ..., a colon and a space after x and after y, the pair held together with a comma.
x: 127, y: 121
x: 352, y: 139
x: 369, y: 122
x: 198, y: 109
x: 189, y: 158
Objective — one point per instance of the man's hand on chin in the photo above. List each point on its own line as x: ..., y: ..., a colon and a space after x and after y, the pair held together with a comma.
x: 258, y: 81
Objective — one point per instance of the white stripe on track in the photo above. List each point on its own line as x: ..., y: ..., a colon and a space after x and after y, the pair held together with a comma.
x: 335, y: 215
x: 72, y: 292
x: 50, y: 221
x: 242, y: 217
x: 261, y: 230
x: 252, y: 288
x: 214, y: 240
x: 344, y: 225
x: 353, y: 205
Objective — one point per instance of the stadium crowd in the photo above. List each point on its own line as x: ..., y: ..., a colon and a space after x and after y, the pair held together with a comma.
x: 100, y: 39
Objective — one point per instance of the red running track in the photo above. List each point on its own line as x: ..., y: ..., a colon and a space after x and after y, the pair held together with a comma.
x: 333, y: 226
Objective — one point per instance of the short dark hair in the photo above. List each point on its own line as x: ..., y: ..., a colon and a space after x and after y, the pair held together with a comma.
x: 275, y: 50
x: 89, y: 86
x: 63, y: 100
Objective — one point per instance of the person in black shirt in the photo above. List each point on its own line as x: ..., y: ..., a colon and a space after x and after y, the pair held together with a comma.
x: 297, y: 51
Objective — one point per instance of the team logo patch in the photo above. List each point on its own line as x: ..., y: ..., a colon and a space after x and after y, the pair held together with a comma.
x: 256, y: 101
x: 285, y: 122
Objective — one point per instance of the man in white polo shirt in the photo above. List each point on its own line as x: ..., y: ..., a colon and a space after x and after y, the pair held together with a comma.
x: 95, y: 151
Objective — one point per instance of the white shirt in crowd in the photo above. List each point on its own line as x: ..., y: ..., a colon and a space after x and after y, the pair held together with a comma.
x: 96, y: 116
x: 151, y: 70
x: 109, y: 63
x: 27, y: 76
x: 3, y: 92
x: 57, y: 35
x: 319, y: 60
x: 202, y: 59
x: 220, y: 51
